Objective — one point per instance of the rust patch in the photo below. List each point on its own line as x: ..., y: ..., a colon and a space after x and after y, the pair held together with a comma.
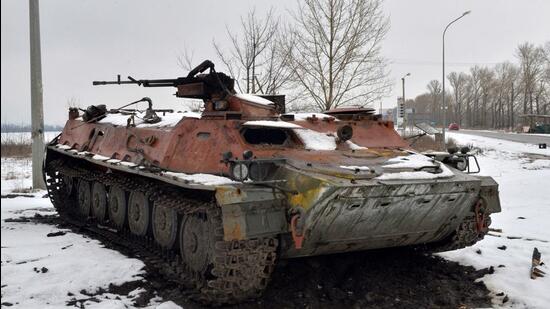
x: 229, y: 195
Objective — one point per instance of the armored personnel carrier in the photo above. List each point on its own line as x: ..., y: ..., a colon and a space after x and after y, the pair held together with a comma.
x: 219, y: 196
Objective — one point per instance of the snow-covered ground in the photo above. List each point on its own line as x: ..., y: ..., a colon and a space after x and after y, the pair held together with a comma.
x: 523, y: 174
x: 26, y: 136
x: 75, y: 265
x: 16, y: 175
x: 48, y: 272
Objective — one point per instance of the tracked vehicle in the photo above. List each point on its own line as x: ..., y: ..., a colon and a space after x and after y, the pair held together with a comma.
x: 218, y: 197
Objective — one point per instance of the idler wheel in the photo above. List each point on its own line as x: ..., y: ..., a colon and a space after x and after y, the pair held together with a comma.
x: 138, y: 213
x: 84, y: 198
x: 99, y: 201
x: 117, y: 206
x: 68, y: 181
x: 196, y: 242
x: 165, y: 226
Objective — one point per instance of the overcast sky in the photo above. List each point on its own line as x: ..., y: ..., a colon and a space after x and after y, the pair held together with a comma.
x: 95, y: 40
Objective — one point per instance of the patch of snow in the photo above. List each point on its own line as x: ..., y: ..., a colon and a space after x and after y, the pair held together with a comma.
x: 64, y: 147
x: 129, y: 164
x: 417, y: 175
x: 168, y: 305
x: 272, y: 124
x: 413, y: 161
x: 354, y: 167
x: 16, y: 175
x: 170, y: 119
x: 203, y: 179
x: 354, y: 146
x: 83, y: 153
x: 167, y: 120
x: 314, y: 140
x: 305, y: 116
x: 117, y: 119
x: 537, y: 165
x: 39, y: 271
x: 254, y: 99
x: 114, y: 161
x: 100, y: 157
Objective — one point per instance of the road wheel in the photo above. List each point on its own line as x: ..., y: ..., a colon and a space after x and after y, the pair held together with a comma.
x: 197, y: 242
x: 84, y: 198
x: 165, y: 226
x: 99, y: 201
x: 117, y: 206
x: 68, y: 181
x: 138, y: 213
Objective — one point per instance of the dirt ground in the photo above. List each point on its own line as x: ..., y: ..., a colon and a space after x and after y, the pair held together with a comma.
x: 394, y: 278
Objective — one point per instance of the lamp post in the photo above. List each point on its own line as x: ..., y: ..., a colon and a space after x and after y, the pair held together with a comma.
x: 404, y: 107
x: 443, y: 90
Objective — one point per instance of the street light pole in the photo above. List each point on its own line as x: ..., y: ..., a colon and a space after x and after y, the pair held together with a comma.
x: 404, y: 106
x: 443, y: 82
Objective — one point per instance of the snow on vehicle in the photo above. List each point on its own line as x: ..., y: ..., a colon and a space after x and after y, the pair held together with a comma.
x: 223, y: 194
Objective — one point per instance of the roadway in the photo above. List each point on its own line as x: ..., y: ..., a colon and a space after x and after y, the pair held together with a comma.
x: 514, y: 137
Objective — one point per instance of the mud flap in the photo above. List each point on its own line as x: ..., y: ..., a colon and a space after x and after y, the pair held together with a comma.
x: 489, y: 193
x: 251, y: 212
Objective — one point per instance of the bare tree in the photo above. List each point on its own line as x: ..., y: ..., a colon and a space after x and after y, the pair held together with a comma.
x: 486, y: 78
x: 458, y: 82
x: 186, y: 59
x: 335, y: 51
x: 530, y: 58
x: 253, y: 50
x: 545, y: 109
x: 275, y: 72
x: 434, y: 89
x: 495, y: 96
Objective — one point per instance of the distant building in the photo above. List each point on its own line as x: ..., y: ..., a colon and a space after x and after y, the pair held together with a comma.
x: 410, y: 113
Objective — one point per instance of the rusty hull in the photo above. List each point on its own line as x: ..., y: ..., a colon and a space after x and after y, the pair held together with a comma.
x: 341, y: 210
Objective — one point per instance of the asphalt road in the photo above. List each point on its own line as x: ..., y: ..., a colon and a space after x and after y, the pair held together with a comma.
x: 514, y: 137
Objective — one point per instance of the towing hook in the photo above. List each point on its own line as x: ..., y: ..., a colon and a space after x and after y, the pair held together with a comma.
x: 480, y: 217
x: 297, y: 230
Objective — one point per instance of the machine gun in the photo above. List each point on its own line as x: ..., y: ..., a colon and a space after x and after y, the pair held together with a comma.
x: 194, y: 85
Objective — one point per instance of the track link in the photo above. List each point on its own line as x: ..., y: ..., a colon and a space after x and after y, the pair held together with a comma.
x: 465, y: 235
x: 240, y: 270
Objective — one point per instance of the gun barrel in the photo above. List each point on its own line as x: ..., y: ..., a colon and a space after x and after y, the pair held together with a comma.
x: 102, y: 82
x: 141, y: 82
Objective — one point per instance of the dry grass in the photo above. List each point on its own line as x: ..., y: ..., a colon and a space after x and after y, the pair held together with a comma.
x: 17, y: 147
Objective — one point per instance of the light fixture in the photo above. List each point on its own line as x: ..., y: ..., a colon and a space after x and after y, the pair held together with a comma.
x: 239, y: 171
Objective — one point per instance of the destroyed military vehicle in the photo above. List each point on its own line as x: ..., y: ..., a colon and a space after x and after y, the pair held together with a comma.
x: 216, y: 198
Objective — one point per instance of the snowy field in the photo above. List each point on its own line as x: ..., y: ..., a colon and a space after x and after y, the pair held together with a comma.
x: 26, y: 136
x: 51, y: 272
x: 523, y: 174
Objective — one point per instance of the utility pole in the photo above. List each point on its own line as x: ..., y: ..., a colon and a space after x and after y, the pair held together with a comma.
x: 37, y: 110
x: 443, y: 81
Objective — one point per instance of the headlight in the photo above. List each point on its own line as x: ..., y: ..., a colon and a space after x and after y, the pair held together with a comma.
x: 239, y: 171
x: 462, y: 164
